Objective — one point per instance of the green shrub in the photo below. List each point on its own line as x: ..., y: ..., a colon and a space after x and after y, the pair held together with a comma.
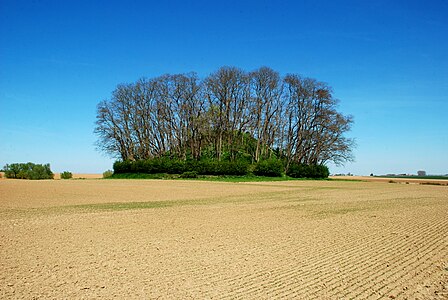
x: 121, y: 167
x: 108, y: 173
x: 174, y: 166
x: 212, y: 167
x: 240, y: 167
x: 66, y: 175
x: 307, y: 171
x: 189, y: 174
x: 270, y: 167
x: 28, y: 171
x: 139, y: 166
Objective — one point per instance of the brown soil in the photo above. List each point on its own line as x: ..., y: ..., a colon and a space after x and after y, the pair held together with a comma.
x: 75, y: 176
x: 394, y: 180
x: 189, y: 239
x: 80, y: 176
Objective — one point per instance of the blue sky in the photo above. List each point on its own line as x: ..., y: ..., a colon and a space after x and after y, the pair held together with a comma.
x: 387, y: 62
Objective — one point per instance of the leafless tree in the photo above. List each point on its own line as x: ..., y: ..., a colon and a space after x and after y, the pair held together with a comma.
x: 227, y: 91
x: 265, y: 107
x: 181, y: 116
x: 181, y: 110
x: 314, y: 128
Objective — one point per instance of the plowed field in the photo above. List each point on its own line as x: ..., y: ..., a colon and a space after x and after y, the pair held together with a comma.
x: 193, y: 240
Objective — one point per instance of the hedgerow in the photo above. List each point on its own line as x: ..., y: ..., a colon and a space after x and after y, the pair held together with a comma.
x: 187, y: 168
x: 174, y: 166
x: 270, y: 168
x: 307, y: 171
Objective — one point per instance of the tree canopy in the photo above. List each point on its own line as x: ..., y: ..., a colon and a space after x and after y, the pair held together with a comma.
x: 229, y: 115
x: 28, y: 171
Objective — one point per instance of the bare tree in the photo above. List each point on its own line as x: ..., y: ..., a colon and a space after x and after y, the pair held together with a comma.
x: 180, y: 110
x: 232, y: 112
x: 227, y: 91
x: 266, y: 105
x: 315, y: 130
x: 113, y: 124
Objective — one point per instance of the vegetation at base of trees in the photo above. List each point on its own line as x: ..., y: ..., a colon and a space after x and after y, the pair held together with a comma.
x: 307, y: 171
x: 267, y: 168
x: 28, y: 171
x: 218, y: 178
x: 144, y: 176
x: 66, y: 175
x: 226, y: 118
x: 189, y: 174
x: 108, y: 173
x: 176, y: 166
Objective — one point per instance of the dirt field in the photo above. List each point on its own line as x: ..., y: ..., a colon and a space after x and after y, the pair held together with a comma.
x: 72, y: 239
x: 80, y: 176
x: 75, y: 176
x: 394, y: 180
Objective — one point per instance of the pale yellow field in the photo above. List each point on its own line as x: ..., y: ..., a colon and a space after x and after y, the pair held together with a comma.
x: 144, y: 239
x: 81, y: 176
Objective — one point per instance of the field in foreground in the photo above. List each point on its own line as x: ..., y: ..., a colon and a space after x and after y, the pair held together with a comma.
x: 190, y: 239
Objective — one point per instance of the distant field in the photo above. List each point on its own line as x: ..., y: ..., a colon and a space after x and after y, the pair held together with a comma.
x: 148, y: 239
x: 75, y: 176
x: 416, y: 177
x: 81, y: 176
x: 435, y: 180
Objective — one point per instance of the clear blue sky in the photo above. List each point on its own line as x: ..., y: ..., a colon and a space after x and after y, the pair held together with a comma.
x: 387, y: 62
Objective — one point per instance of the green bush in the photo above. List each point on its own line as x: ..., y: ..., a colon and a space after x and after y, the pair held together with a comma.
x: 189, y: 174
x: 121, y: 167
x: 213, y: 167
x: 28, y: 171
x: 240, y: 167
x: 173, y: 166
x: 270, y: 167
x: 108, y: 173
x: 139, y: 166
x: 66, y: 175
x: 296, y: 170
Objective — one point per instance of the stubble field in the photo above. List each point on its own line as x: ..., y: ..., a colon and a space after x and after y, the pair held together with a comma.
x: 189, y: 239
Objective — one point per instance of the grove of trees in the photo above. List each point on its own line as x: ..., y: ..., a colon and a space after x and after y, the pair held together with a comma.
x: 28, y: 171
x: 230, y: 115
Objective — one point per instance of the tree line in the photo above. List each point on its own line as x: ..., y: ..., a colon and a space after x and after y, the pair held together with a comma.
x: 28, y: 171
x: 230, y: 115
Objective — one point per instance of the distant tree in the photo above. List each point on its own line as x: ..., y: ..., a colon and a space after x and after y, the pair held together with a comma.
x: 28, y: 171
x: 421, y: 173
x: 66, y: 175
